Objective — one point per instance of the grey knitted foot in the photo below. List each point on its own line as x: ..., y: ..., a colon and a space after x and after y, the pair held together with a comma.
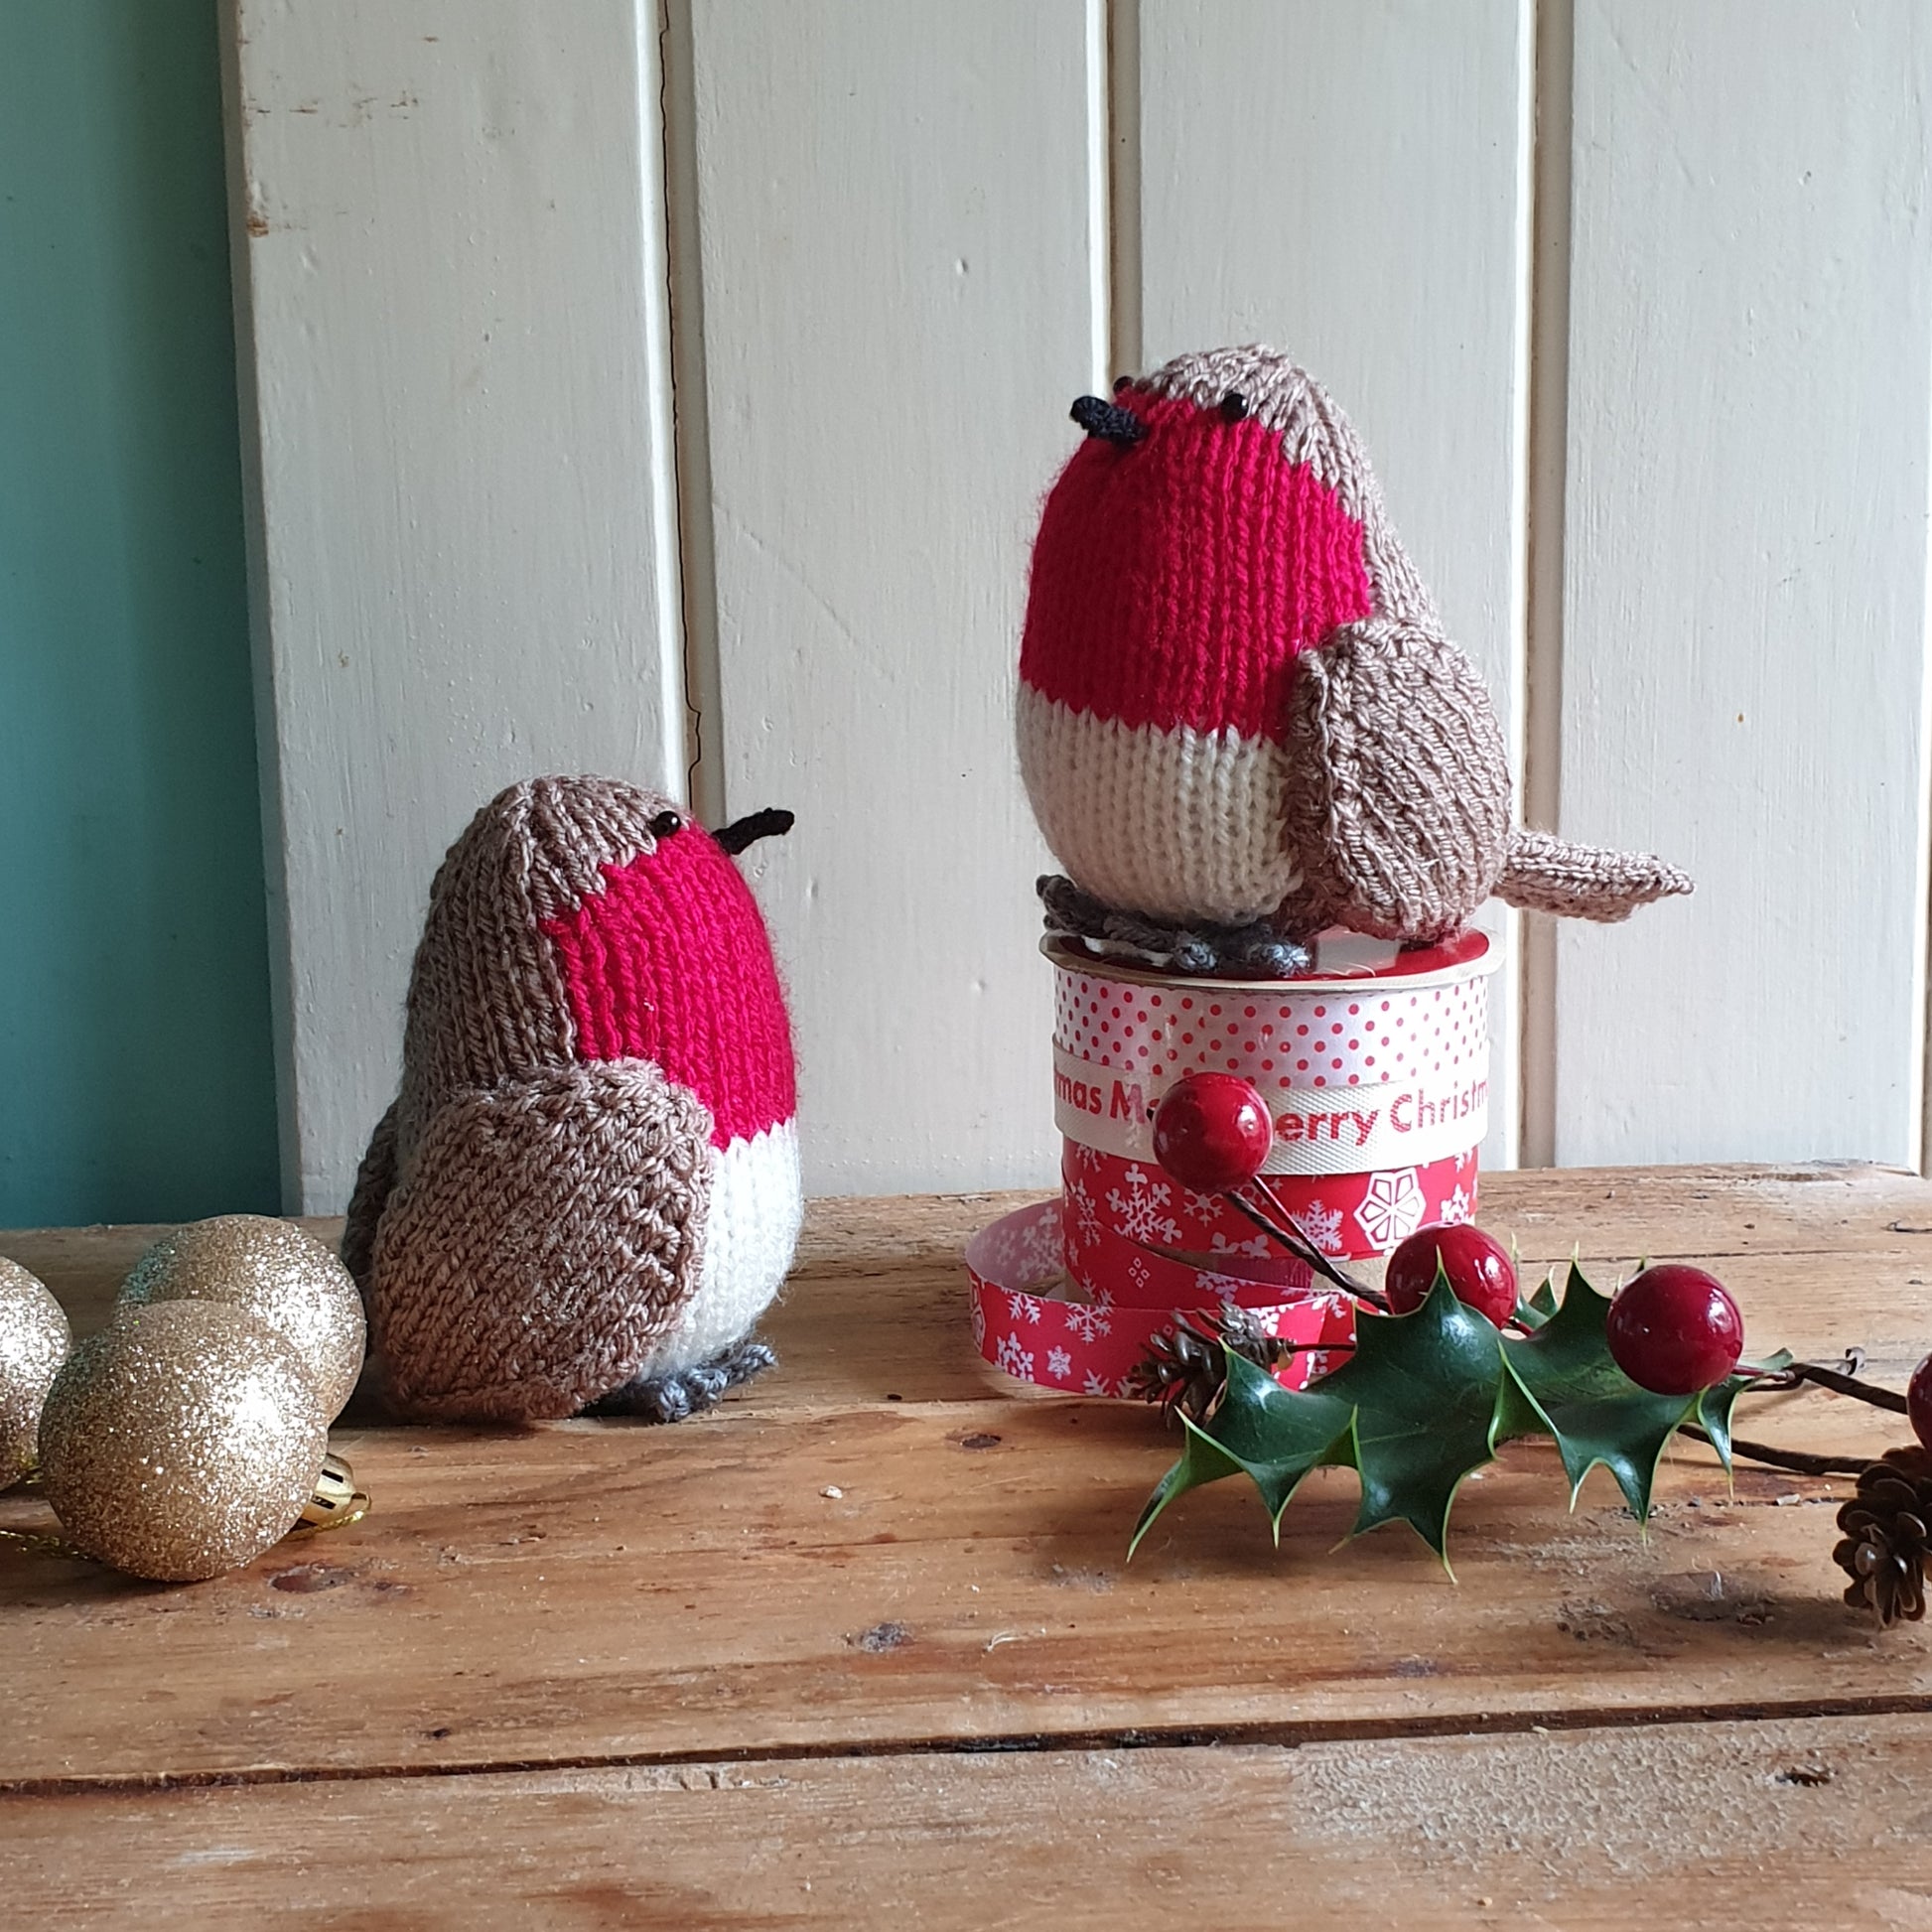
x: 1255, y: 951
x: 671, y: 1398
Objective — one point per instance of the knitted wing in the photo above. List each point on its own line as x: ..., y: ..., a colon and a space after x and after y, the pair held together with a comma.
x: 1398, y: 805
x: 546, y: 1234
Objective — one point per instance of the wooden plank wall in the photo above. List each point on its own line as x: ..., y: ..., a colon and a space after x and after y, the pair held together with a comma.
x: 1744, y: 536
x: 450, y: 238
x: 1631, y: 300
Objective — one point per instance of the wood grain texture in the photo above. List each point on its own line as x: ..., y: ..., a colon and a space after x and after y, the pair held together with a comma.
x: 1350, y: 182
x: 1743, y: 679
x: 895, y: 215
x: 1790, y: 1823
x: 450, y: 262
x: 820, y: 1568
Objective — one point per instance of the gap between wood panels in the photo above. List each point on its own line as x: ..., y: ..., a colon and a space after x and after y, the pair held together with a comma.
x: 268, y: 741
x: 1551, y: 29
x: 1154, y: 1736
x: 1118, y: 173
x: 1922, y: 1061
x: 689, y: 439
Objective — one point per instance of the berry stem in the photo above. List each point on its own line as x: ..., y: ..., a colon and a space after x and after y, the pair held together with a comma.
x: 1831, y: 1378
x: 1300, y: 1246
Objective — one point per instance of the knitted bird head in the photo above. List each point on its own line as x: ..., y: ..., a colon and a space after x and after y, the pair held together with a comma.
x: 1236, y: 701
x: 589, y: 1180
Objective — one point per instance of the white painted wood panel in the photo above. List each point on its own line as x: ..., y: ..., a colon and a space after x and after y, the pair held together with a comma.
x: 1744, y: 676
x: 896, y: 213
x: 452, y: 283
x: 1349, y: 182
x: 902, y: 236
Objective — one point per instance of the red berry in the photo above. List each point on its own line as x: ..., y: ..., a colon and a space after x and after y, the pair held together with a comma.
x: 1211, y: 1131
x: 1479, y: 1267
x: 1674, y: 1330
x: 1918, y: 1401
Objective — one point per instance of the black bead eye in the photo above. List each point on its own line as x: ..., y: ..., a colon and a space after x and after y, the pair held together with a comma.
x: 1234, y: 406
x: 664, y: 824
x: 1121, y: 382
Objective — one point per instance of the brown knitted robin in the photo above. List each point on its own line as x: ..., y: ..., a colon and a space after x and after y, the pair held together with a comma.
x: 588, y: 1190
x: 1240, y: 721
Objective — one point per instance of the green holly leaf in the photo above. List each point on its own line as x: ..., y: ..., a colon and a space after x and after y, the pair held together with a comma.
x: 1426, y: 1389
x: 1541, y: 1306
x: 1716, y: 1402
x: 1594, y: 1410
x: 1271, y: 1435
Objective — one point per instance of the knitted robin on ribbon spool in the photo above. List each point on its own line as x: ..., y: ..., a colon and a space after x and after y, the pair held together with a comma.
x: 1240, y: 721
x: 586, y: 1190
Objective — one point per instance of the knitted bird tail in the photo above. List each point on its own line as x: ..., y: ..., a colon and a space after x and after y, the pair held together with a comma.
x: 1544, y: 874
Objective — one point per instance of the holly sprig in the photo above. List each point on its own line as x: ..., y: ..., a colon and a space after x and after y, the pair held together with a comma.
x: 1426, y: 1397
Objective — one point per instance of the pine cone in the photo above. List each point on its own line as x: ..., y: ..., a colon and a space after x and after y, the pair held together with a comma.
x: 1182, y: 1369
x: 1186, y: 1369
x: 1885, y: 1536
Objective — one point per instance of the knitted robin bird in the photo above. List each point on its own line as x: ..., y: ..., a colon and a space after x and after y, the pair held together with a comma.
x: 1239, y: 719
x: 586, y: 1190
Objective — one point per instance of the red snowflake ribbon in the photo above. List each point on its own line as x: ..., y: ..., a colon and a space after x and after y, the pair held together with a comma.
x: 1037, y: 1327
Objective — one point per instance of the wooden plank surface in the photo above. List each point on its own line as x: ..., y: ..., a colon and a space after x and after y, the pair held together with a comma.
x: 896, y: 212
x: 1350, y: 182
x: 821, y: 1568
x: 1755, y: 1227
x: 1744, y: 669
x: 451, y: 270
x: 1775, y: 1825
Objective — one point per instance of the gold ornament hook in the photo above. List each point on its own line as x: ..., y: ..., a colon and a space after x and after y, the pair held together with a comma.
x: 336, y: 1502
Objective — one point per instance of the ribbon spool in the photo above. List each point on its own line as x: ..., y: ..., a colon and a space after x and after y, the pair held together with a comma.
x: 1374, y: 1068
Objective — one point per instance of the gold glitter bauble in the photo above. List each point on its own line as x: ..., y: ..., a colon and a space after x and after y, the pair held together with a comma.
x: 181, y: 1442
x: 275, y: 1272
x: 34, y: 1342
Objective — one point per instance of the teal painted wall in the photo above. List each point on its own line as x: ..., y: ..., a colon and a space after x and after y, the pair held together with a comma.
x: 136, y: 1070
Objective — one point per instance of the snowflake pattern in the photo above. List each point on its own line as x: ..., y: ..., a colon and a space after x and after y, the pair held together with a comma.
x: 1457, y: 1207
x: 1023, y: 1307
x: 1087, y: 1227
x: 1392, y: 1209
x: 1225, y: 1287
x: 1323, y: 1225
x: 1139, y: 1213
x: 1219, y: 1244
x: 1015, y: 1359
x: 1096, y: 1384
x: 1036, y: 1249
x: 979, y: 1325
x: 1137, y: 1272
x: 1088, y: 1322
x: 1059, y: 1364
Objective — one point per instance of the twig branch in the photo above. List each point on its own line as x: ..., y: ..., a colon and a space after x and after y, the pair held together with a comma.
x: 1799, y: 1462
x: 1834, y: 1379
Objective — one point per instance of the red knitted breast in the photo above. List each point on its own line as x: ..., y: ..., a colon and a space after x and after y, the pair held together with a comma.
x: 1176, y: 582
x: 671, y: 963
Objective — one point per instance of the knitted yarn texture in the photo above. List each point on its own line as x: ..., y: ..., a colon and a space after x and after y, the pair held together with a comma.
x: 589, y: 1182
x: 1237, y: 705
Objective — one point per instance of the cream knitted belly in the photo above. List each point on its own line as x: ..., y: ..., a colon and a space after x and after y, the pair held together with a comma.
x: 1180, y: 825
x: 750, y: 1227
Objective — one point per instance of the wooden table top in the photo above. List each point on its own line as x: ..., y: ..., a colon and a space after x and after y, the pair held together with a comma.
x: 863, y: 1647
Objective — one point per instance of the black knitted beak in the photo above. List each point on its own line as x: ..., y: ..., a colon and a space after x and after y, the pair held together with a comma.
x: 1109, y: 421
x: 771, y: 823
